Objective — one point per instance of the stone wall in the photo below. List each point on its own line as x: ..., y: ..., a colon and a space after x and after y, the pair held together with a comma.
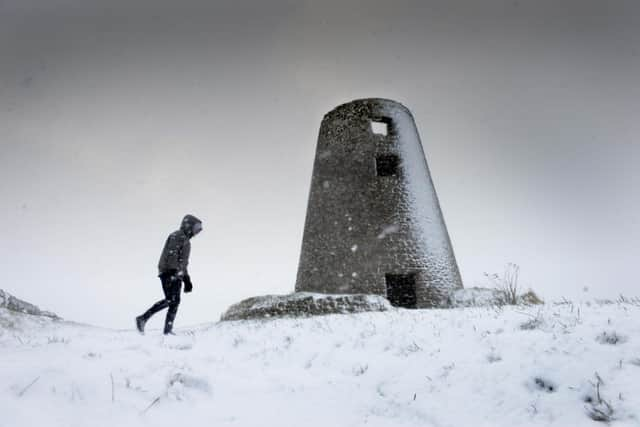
x: 303, y: 304
x: 12, y: 303
x: 366, y: 220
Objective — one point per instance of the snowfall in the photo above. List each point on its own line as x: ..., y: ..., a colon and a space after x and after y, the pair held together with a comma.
x: 558, y: 364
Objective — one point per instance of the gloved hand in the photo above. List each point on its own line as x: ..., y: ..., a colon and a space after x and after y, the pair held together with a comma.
x: 188, y: 286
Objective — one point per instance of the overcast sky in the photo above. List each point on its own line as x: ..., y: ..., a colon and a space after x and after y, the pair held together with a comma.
x: 118, y: 117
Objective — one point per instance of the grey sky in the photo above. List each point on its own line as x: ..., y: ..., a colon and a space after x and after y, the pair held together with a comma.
x: 119, y: 117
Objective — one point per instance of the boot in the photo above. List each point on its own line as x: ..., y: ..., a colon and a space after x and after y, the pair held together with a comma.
x: 168, y: 323
x: 140, y: 322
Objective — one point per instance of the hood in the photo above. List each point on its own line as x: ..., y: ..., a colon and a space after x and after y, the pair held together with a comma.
x: 191, y: 225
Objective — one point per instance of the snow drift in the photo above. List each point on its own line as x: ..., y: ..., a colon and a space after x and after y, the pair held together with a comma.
x: 550, y: 365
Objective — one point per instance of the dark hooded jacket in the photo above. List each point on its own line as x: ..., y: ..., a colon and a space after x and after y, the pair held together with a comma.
x: 175, y: 255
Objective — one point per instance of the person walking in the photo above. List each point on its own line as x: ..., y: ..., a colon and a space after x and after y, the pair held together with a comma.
x: 172, y: 269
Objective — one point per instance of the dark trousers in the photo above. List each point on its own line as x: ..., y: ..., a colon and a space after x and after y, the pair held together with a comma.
x: 171, y: 285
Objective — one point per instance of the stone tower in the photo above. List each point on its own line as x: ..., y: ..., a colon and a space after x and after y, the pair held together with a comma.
x: 374, y: 224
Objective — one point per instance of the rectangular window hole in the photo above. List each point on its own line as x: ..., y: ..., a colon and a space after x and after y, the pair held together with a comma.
x: 401, y: 290
x: 380, y: 127
x: 387, y: 165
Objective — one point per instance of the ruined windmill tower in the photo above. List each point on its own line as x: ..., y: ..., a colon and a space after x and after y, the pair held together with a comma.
x: 374, y: 224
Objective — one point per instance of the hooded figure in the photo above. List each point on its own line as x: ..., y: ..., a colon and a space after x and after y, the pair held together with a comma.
x: 172, y: 269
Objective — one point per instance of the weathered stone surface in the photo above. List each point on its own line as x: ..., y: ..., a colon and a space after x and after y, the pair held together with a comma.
x: 12, y: 303
x: 301, y: 304
x: 373, y: 212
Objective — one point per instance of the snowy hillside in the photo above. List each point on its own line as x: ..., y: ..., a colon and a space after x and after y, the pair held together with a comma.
x: 555, y: 365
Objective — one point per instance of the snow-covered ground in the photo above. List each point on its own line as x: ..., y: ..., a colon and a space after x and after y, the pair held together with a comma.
x: 515, y: 366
